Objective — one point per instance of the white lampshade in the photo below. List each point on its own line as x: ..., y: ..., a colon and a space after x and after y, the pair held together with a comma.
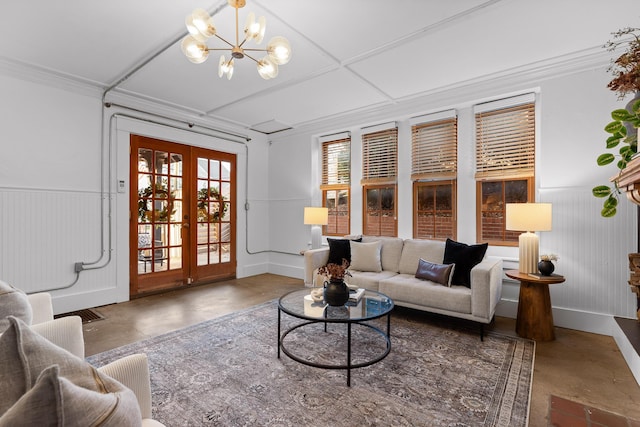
x: 528, y: 217
x: 316, y: 216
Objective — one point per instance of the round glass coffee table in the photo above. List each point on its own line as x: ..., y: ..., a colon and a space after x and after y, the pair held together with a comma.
x: 372, y: 305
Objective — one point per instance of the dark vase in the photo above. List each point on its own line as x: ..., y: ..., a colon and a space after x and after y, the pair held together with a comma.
x: 336, y: 292
x: 546, y: 268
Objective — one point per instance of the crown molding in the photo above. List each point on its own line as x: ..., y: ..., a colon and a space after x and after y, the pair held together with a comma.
x: 45, y: 76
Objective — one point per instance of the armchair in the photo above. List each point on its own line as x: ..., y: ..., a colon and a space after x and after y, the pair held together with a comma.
x: 66, y: 332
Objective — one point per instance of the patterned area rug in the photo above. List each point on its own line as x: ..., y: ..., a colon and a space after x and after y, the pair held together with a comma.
x: 225, y: 372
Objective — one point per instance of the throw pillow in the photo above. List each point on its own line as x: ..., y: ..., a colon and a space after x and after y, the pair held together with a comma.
x: 58, y: 402
x: 340, y: 249
x: 465, y: 257
x: 366, y: 256
x: 24, y: 355
x: 13, y: 302
x: 438, y: 273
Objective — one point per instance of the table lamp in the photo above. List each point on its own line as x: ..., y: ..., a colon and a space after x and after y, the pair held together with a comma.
x: 528, y: 217
x: 316, y: 218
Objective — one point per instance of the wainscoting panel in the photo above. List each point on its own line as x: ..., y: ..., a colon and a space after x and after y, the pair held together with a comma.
x: 44, y: 233
x: 592, y: 252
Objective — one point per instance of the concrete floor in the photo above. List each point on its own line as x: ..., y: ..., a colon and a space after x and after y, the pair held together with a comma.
x: 578, y: 366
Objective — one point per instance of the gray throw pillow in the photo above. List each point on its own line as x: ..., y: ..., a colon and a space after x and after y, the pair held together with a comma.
x: 366, y: 256
x: 13, y: 302
x: 24, y: 355
x: 56, y: 401
x: 438, y: 273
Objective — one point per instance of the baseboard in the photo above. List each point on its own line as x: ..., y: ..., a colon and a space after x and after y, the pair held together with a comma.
x: 286, y: 270
x: 628, y: 351
x: 596, y: 323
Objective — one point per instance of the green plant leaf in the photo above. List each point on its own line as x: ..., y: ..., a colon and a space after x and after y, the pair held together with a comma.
x: 608, y: 212
x: 613, y: 141
x: 611, y: 202
x: 601, y: 191
x: 621, y: 115
x: 636, y: 107
x: 614, y: 127
x: 622, y: 163
x: 605, y: 159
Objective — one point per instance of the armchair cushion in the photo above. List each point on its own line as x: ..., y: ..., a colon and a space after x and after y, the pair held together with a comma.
x: 61, y: 403
x: 25, y: 355
x: 13, y: 302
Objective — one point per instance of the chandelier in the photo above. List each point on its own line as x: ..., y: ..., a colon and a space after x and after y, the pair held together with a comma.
x: 201, y: 28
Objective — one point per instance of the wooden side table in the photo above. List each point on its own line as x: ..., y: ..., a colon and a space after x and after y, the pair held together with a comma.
x: 535, y: 318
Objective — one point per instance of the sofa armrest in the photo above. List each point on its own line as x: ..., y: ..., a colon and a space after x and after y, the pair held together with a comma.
x: 486, y: 287
x: 41, y: 306
x: 133, y: 372
x: 313, y: 259
x: 65, y: 332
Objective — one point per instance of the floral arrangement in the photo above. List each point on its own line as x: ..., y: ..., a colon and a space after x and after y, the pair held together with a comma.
x: 626, y: 68
x: 335, y: 271
x: 550, y: 257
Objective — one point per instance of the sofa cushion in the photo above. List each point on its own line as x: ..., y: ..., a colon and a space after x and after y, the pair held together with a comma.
x: 13, y: 302
x: 368, y: 279
x: 366, y: 256
x: 405, y: 288
x: 59, y: 402
x: 465, y: 257
x: 437, y: 273
x: 414, y: 249
x: 24, y: 355
x: 390, y: 252
x: 340, y: 249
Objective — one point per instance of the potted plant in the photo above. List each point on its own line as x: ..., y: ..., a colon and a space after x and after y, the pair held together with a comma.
x: 623, y: 129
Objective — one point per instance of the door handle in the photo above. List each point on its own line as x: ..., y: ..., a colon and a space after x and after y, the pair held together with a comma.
x: 185, y: 224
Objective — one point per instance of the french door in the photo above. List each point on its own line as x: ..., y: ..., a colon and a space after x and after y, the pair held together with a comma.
x: 182, y: 226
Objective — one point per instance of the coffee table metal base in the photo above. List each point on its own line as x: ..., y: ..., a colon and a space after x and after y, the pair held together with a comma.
x: 348, y: 365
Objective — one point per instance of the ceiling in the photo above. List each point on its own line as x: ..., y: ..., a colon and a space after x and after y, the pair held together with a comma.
x: 348, y: 56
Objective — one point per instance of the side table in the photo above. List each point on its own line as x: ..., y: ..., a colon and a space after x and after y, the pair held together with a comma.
x: 535, y: 318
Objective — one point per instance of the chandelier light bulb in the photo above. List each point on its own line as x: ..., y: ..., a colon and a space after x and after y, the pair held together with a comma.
x: 267, y: 68
x: 225, y: 67
x: 199, y: 22
x: 195, y: 50
x: 279, y: 50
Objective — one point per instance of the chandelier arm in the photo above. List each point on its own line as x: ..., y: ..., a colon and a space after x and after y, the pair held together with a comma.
x: 255, y: 50
x: 209, y: 49
x: 251, y: 57
x: 227, y: 42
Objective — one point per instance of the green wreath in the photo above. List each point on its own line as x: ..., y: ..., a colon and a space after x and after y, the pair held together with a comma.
x: 161, y: 192
x: 211, y: 194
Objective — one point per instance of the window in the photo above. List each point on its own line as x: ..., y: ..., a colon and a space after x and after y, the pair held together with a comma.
x: 379, y: 171
x: 505, y: 166
x: 434, y: 160
x: 336, y: 181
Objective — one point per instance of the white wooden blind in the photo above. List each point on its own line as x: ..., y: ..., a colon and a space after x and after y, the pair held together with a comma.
x: 336, y: 163
x: 380, y: 157
x: 434, y: 150
x: 505, y: 142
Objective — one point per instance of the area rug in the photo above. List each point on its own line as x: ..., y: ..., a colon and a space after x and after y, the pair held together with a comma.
x: 225, y: 372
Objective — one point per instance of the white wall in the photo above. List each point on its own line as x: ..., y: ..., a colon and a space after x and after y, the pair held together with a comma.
x: 573, y: 107
x: 51, y: 196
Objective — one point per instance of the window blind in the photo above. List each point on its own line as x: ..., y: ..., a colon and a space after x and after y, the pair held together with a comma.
x: 380, y: 157
x: 505, y: 142
x: 434, y: 150
x: 336, y: 164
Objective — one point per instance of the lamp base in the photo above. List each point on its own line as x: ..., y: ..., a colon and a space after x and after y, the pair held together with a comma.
x: 528, y: 243
x: 316, y: 236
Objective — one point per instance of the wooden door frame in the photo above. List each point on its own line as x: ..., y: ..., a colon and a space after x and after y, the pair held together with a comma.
x: 188, y: 274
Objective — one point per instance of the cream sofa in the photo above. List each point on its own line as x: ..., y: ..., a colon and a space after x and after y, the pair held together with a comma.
x: 399, y: 261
